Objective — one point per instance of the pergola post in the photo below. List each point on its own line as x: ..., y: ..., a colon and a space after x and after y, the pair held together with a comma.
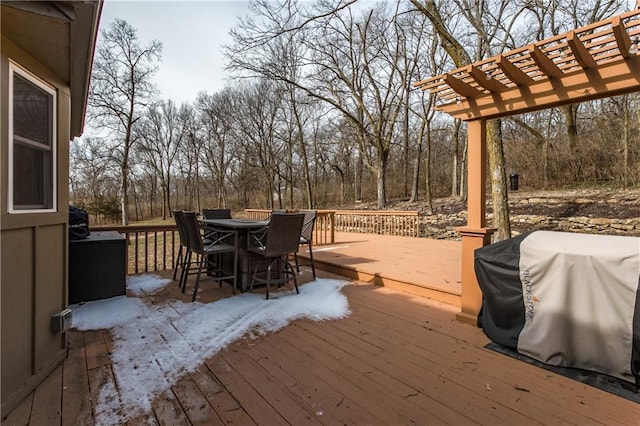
x: 475, y: 234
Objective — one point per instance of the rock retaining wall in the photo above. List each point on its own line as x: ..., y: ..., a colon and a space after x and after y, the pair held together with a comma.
x: 440, y: 226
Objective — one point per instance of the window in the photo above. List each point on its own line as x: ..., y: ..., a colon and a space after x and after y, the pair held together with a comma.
x: 32, y: 143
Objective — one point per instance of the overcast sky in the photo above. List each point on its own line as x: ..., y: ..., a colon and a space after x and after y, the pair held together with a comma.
x: 191, y: 32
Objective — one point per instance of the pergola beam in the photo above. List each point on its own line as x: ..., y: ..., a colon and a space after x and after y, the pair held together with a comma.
x: 619, y: 77
x: 622, y: 38
x: 485, y: 80
x: 580, y: 52
x: 544, y: 63
x: 461, y: 87
x: 591, y: 62
x: 512, y: 72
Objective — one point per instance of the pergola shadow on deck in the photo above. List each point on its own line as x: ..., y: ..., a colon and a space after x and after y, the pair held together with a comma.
x: 396, y: 359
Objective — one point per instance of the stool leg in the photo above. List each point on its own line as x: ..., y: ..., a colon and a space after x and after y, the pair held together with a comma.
x: 201, y: 264
x: 178, y: 262
x: 313, y: 266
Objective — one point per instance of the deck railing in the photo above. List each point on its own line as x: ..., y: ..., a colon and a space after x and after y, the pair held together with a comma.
x: 154, y: 247
x: 401, y: 223
x: 149, y: 247
x: 323, y: 231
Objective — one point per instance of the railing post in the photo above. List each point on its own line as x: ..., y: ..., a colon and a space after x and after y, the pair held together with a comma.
x: 332, y: 217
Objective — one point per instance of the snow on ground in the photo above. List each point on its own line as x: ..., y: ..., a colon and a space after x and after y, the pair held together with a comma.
x: 155, y: 345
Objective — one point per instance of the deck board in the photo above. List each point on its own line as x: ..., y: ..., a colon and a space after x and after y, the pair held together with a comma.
x: 167, y: 410
x: 96, y: 349
x: 76, y: 405
x: 194, y: 403
x: 400, y: 378
x: 396, y: 359
x: 21, y: 414
x: 388, y: 398
x: 259, y: 409
x: 298, y: 376
x: 454, y: 363
x: 593, y: 402
x: 47, y: 397
x: 226, y: 407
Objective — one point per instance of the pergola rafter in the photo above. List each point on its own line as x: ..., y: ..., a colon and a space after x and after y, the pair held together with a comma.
x: 596, y: 61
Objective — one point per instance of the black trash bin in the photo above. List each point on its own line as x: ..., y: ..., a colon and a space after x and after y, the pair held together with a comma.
x: 513, y: 180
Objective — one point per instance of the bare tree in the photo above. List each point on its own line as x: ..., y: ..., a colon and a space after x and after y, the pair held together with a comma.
x: 219, y: 145
x: 492, y: 25
x: 351, y: 65
x: 121, y: 88
x: 92, y: 179
x: 162, y: 133
x: 257, y: 124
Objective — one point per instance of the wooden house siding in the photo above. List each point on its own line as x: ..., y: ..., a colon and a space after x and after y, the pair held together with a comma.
x: 34, y: 254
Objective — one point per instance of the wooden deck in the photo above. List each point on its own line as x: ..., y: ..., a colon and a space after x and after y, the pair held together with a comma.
x: 419, y: 266
x: 397, y: 359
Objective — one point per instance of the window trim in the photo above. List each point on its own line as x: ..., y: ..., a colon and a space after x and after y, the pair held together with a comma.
x: 16, y: 69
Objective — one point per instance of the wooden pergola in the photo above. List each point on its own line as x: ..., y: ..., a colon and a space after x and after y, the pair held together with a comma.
x: 596, y: 61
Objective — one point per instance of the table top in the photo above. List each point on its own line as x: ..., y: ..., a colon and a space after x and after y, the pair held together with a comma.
x: 236, y: 223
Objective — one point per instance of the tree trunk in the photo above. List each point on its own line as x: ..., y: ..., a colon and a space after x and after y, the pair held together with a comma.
x: 306, y: 175
x: 124, y: 189
x: 626, y: 136
x: 569, y: 112
x: 405, y: 142
x: 197, y: 180
x: 463, y: 172
x: 303, y: 153
x: 381, y: 174
x: 498, y: 180
x: 427, y: 166
x: 359, y: 167
x: 169, y: 208
x: 136, y: 204
x: 415, y: 181
x: 290, y: 177
x: 380, y: 186
x: 165, y: 191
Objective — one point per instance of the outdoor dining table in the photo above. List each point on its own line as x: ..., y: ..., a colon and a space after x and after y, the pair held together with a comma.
x: 246, y: 259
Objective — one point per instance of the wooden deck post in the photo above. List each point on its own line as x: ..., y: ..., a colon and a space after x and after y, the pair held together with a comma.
x: 475, y: 234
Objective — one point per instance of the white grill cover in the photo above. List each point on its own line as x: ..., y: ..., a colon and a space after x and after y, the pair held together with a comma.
x: 579, y: 294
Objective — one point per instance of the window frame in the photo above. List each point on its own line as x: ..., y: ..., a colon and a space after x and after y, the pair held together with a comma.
x: 41, y: 84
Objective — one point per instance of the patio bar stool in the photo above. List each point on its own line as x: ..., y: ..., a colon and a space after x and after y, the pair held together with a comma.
x: 180, y: 260
x: 216, y: 213
x: 281, y: 239
x: 225, y: 241
x: 306, y: 238
x: 209, y: 233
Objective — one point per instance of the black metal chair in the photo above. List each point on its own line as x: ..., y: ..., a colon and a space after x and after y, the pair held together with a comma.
x: 306, y: 238
x: 184, y: 245
x: 280, y: 239
x: 226, y: 241
x: 216, y: 213
x: 209, y: 234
